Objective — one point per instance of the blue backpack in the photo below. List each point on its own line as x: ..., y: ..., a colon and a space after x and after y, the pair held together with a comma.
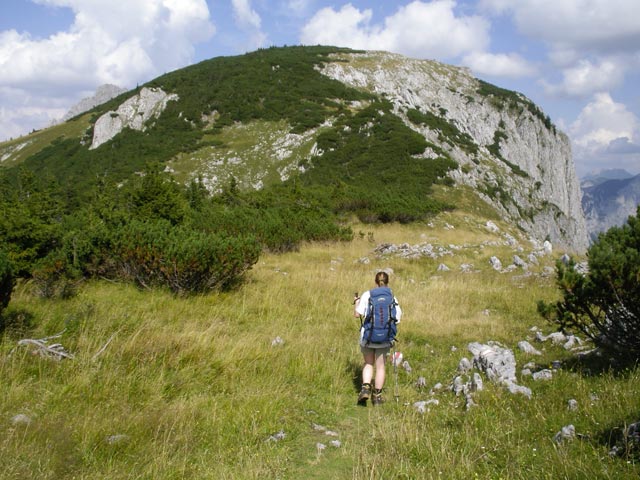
x: 380, y: 321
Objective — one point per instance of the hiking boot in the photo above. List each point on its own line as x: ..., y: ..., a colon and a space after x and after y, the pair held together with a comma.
x: 365, y: 393
x: 377, y: 399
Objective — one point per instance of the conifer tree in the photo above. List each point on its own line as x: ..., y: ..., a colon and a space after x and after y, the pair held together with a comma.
x: 604, y: 303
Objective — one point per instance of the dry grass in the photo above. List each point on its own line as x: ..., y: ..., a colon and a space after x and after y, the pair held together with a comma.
x: 195, y: 388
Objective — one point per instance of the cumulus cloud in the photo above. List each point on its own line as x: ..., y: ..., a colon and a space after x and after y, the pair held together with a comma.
x: 250, y: 22
x: 593, y: 42
x: 599, y: 25
x: 622, y: 146
x: 586, y: 77
x: 605, y: 133
x: 122, y: 43
x: 245, y: 15
x: 420, y: 29
x: 501, y: 64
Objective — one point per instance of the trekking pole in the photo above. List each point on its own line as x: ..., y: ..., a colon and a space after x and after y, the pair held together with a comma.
x: 396, y: 393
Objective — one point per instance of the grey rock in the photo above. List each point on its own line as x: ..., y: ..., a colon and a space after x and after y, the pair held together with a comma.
x: 20, y: 419
x: 103, y: 94
x: 572, y: 405
x: 133, y: 113
x: 541, y: 151
x: 543, y: 375
x: 464, y: 365
x: 526, y: 347
x: 567, y: 433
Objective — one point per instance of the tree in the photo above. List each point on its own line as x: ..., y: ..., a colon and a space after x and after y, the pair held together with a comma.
x: 604, y: 303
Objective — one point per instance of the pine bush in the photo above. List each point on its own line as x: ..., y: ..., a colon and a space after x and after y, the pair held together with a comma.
x: 155, y: 254
x: 604, y: 303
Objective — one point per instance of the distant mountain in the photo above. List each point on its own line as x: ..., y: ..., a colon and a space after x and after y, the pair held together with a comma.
x: 595, y: 178
x: 609, y: 203
x: 328, y: 118
x: 103, y: 94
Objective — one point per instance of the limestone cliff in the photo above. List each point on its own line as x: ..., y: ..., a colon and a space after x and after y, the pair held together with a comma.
x: 133, y: 113
x: 507, y: 149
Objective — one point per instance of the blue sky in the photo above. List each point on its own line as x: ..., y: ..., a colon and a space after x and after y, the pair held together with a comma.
x: 579, y: 60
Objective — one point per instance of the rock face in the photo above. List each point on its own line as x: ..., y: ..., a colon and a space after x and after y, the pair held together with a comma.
x: 103, y: 94
x: 133, y: 113
x: 514, y: 156
x: 610, y: 203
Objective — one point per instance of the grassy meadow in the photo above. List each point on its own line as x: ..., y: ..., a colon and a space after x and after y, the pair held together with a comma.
x: 173, y: 388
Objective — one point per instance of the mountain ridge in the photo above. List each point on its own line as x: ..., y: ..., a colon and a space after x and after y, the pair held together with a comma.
x: 266, y: 117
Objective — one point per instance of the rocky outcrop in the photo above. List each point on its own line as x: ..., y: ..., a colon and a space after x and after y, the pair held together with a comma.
x: 506, y: 148
x: 133, y: 113
x: 103, y: 94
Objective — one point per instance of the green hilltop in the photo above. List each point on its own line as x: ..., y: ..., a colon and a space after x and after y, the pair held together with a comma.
x: 157, y: 324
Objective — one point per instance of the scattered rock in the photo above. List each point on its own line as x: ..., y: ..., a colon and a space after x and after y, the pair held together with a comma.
x: 276, y: 437
x: 406, y: 366
x: 495, y: 262
x: 20, y: 419
x: 526, y: 347
x: 422, y: 406
x: 464, y: 365
x: 499, y: 364
x: 443, y: 268
x: 567, y: 433
x: 492, y: 227
x: 517, y: 261
x: 572, y: 405
x: 117, y: 439
x: 476, y: 384
x: 276, y: 342
x: 543, y: 375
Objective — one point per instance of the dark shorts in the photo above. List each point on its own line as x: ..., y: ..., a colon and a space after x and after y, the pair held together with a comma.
x: 375, y: 347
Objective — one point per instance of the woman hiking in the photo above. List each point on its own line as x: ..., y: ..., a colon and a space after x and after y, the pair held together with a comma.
x: 381, y: 313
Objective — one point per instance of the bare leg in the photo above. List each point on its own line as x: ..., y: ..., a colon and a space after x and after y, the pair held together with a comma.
x: 367, y: 369
x: 380, y: 371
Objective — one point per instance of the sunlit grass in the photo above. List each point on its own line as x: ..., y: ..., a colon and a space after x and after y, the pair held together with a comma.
x: 165, y: 387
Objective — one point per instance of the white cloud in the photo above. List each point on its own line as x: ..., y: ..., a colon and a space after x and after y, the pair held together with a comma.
x: 599, y: 25
x: 245, y: 15
x: 250, y: 22
x: 504, y: 65
x: 604, y: 135
x: 585, y: 78
x: 298, y: 7
x: 418, y: 29
x: 122, y: 43
x: 593, y: 43
x: 602, y: 121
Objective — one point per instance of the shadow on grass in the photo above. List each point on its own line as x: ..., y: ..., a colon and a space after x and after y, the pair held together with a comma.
x: 600, y: 362
x: 16, y: 323
x: 354, y: 369
x: 621, y: 441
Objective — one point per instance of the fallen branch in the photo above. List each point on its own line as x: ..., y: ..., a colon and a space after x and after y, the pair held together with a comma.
x: 55, y: 351
x: 104, y: 347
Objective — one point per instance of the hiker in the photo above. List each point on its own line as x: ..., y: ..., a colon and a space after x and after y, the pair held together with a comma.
x: 375, y: 343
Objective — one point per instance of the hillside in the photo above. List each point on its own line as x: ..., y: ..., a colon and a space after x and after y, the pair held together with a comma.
x: 322, y: 116
x: 262, y: 382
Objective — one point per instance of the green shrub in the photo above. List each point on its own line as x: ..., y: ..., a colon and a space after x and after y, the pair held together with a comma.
x: 604, y: 304
x: 181, y: 259
x: 53, y: 277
